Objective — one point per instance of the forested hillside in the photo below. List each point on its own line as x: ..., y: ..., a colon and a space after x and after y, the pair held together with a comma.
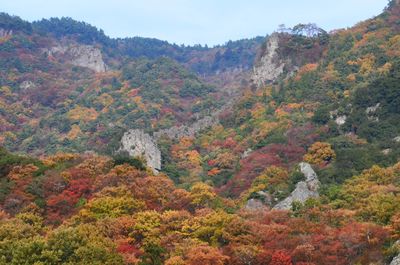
x: 274, y: 150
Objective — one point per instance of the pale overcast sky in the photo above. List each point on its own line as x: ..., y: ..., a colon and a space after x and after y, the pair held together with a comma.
x: 198, y: 21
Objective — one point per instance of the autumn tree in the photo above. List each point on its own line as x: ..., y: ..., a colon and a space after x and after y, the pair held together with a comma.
x: 281, y: 258
x: 320, y: 153
x: 206, y: 255
x: 202, y: 195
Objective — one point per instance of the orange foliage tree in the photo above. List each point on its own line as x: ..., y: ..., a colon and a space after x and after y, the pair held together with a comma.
x: 320, y: 153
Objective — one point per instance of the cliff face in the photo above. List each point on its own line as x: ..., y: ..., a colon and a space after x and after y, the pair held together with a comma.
x: 139, y: 143
x: 80, y: 55
x: 270, y: 65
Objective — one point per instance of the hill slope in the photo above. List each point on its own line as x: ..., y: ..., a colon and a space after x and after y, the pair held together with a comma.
x: 241, y: 128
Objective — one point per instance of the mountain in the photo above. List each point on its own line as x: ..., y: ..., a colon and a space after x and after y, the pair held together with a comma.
x: 74, y: 87
x: 282, y: 149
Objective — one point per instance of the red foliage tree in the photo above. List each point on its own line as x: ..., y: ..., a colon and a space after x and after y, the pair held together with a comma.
x: 280, y: 257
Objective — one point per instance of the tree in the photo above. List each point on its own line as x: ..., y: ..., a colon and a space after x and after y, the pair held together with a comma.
x: 280, y: 258
x: 206, y: 255
x: 320, y: 153
x: 153, y: 255
x: 111, y: 202
x: 321, y: 115
x: 202, y: 195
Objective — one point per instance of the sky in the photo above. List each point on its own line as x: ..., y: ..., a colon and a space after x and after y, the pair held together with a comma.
x: 191, y: 22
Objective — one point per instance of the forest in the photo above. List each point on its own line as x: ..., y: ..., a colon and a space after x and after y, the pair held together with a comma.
x: 69, y: 195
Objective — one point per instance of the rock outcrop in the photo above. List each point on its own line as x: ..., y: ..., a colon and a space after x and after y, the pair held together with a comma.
x: 80, y: 55
x: 5, y: 33
x: 270, y: 65
x: 187, y: 130
x: 371, y: 112
x: 255, y: 205
x: 263, y: 201
x: 246, y: 153
x: 340, y: 120
x: 138, y: 143
x: 27, y: 85
x: 396, y: 260
x: 304, y: 189
x: 176, y: 132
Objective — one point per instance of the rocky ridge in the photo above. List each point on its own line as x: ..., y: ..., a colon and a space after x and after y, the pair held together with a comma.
x: 177, y: 132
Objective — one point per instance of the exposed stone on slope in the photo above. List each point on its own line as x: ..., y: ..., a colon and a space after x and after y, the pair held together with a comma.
x: 187, y: 130
x: 254, y: 205
x: 27, y: 85
x: 396, y: 260
x: 270, y: 65
x: 397, y: 139
x: 138, y: 143
x: 5, y: 33
x: 246, y: 153
x: 304, y: 189
x: 386, y: 151
x: 176, y: 132
x: 80, y: 55
x: 340, y: 120
x: 371, y: 112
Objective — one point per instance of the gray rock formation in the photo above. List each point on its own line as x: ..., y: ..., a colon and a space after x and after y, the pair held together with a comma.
x: 5, y: 33
x: 396, y: 260
x: 304, y: 189
x: 187, y: 130
x: 397, y: 139
x: 386, y: 151
x: 270, y: 65
x: 340, y: 120
x: 27, y: 85
x: 371, y: 112
x: 138, y: 143
x: 246, y: 153
x: 80, y: 55
x: 176, y: 132
x: 254, y: 205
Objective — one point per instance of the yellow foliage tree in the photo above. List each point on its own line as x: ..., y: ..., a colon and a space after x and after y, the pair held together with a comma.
x: 202, y: 194
x: 320, y: 153
x: 82, y: 114
x: 74, y: 132
x: 374, y: 195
